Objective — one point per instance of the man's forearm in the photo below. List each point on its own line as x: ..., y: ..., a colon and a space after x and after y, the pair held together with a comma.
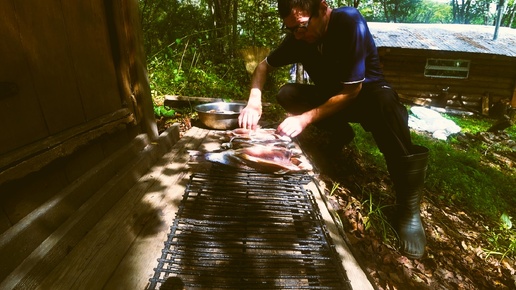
x: 257, y: 82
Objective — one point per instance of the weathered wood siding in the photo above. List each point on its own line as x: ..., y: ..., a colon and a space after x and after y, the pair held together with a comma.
x: 73, y: 91
x: 59, y: 57
x: 489, y: 76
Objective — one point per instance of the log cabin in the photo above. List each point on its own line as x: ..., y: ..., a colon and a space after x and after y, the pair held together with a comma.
x: 449, y: 65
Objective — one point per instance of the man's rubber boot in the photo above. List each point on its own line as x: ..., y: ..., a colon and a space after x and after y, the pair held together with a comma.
x: 408, y: 174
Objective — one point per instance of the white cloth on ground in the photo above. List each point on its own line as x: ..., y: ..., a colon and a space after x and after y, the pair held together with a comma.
x: 424, y: 119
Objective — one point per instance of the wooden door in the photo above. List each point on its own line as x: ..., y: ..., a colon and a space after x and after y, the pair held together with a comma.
x: 56, y: 68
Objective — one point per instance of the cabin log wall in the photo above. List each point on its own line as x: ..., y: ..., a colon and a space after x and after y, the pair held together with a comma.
x: 490, y: 76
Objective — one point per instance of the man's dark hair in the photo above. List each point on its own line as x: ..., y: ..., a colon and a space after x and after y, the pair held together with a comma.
x: 285, y: 7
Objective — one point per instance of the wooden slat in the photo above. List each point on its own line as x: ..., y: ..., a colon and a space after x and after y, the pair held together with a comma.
x: 5, y: 223
x: 135, y: 228
x: 52, y: 251
x: 21, y: 121
x: 45, y: 43
x: 35, y: 156
x: 91, y: 55
x: 20, y: 240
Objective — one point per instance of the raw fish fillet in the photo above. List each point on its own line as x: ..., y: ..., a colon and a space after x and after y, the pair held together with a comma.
x: 267, y: 158
x: 260, y: 149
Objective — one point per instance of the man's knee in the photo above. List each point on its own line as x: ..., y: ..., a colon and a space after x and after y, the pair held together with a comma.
x: 294, y: 98
x: 286, y: 94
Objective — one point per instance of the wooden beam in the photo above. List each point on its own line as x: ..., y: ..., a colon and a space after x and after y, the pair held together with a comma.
x: 31, y: 158
x: 130, y: 61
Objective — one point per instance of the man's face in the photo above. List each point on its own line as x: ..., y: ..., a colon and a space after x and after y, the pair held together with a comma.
x: 304, y: 26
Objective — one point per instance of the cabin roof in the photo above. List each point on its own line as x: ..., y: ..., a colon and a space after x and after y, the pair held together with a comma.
x: 445, y: 37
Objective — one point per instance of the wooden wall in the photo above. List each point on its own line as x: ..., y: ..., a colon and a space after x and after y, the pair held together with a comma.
x: 73, y: 90
x: 490, y: 76
x: 58, y: 55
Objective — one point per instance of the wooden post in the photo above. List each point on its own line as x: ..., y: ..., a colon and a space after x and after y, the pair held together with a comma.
x: 513, y: 102
x: 485, y: 104
x: 127, y: 36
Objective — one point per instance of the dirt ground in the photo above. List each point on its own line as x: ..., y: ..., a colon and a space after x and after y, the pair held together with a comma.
x: 455, y: 258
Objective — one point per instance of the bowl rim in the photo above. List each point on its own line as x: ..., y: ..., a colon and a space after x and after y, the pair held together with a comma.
x: 198, y: 109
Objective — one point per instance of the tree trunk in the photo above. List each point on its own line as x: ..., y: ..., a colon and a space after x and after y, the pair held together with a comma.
x: 300, y: 74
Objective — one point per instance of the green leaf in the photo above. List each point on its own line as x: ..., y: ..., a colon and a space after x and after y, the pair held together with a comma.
x: 167, y: 112
x: 157, y: 111
x: 506, y: 221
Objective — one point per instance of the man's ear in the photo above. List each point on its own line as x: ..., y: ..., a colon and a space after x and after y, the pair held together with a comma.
x: 323, y: 6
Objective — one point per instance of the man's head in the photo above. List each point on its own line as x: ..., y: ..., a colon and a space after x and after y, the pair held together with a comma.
x: 285, y: 7
x: 306, y: 19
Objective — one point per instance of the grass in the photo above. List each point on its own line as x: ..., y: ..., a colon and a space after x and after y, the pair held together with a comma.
x: 462, y: 174
x: 458, y: 174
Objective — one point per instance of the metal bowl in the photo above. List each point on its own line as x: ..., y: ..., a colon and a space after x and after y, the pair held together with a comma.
x: 220, y: 115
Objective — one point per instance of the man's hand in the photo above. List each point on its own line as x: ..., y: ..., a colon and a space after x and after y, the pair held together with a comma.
x: 249, y: 117
x: 293, y: 126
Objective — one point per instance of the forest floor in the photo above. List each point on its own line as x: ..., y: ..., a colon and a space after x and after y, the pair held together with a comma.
x: 456, y: 239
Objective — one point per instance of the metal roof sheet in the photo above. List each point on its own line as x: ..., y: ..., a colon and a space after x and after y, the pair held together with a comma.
x: 446, y: 37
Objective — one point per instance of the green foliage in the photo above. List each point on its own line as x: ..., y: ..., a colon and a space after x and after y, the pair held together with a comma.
x: 191, y: 54
x: 420, y: 11
x: 502, y: 240
x: 375, y: 218
x: 164, y: 111
x: 456, y: 175
x: 184, y: 71
x: 259, y: 24
x: 471, y: 124
x: 367, y: 146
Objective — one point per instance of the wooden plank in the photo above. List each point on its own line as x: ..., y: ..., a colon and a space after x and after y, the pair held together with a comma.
x: 33, y: 157
x: 126, y: 38
x: 30, y: 273
x: 20, y: 197
x: 140, y: 220
x: 21, y: 120
x: 92, y: 58
x: 5, y: 223
x: 44, y: 41
x: 135, y: 270
x: 20, y: 240
x: 355, y: 273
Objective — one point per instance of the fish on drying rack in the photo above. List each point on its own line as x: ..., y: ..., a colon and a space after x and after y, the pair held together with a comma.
x: 261, y: 149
